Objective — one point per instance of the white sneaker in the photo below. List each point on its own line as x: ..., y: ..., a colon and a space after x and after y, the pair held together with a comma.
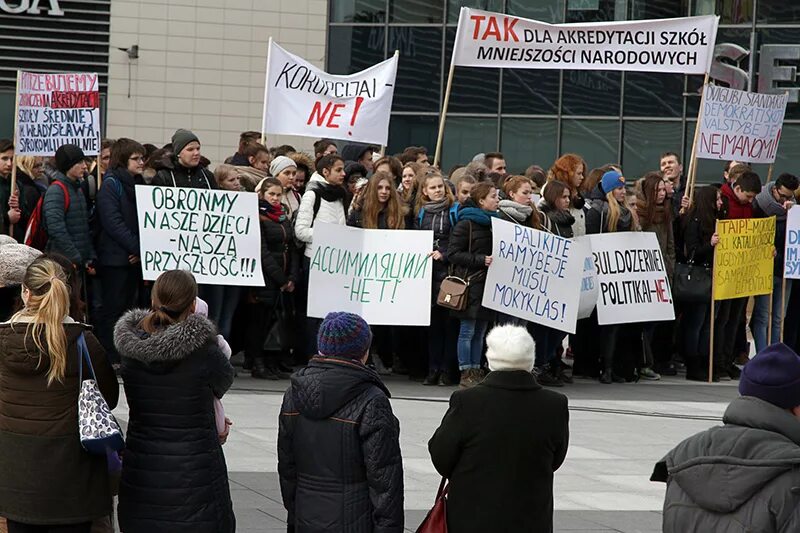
x: 649, y: 374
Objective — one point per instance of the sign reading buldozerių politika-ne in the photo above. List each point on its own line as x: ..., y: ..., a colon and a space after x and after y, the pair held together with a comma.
x: 213, y: 234
x: 383, y: 275
x: 56, y: 109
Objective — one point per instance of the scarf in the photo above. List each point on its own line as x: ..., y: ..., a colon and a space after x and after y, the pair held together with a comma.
x: 516, y: 211
x: 436, y: 207
x: 275, y: 214
x: 477, y: 215
x: 329, y: 192
x: 767, y: 203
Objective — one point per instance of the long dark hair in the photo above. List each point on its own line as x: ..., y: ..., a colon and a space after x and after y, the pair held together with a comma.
x: 704, y: 209
x: 650, y: 183
x: 174, y: 292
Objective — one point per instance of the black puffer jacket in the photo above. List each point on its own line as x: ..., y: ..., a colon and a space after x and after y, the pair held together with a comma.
x: 470, y: 263
x: 170, y: 173
x: 441, y: 226
x: 280, y: 259
x: 174, y: 476
x: 339, y: 451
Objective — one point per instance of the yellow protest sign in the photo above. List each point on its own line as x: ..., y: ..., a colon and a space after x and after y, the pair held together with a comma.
x: 744, y: 257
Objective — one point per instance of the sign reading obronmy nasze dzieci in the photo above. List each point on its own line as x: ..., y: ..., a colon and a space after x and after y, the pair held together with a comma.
x: 213, y: 234
x: 56, y: 109
x: 383, y: 275
x: 678, y: 45
x: 534, y: 275
x: 632, y: 277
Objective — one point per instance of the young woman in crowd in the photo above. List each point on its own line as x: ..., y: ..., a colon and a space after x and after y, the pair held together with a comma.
x: 280, y: 263
x: 172, y: 369
x: 608, y: 214
x: 518, y: 206
x: 50, y: 483
x: 407, y: 179
x: 380, y: 207
x: 305, y: 167
x: 654, y: 212
x: 700, y: 238
x: 464, y: 188
x: 569, y: 169
x: 118, y: 242
x: 433, y: 212
x: 393, y: 166
x: 555, y: 206
x: 31, y: 186
x: 8, y: 215
x: 470, y: 252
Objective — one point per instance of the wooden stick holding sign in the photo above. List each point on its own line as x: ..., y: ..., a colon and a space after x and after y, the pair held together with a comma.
x: 711, y: 325
x: 692, y: 174
x: 443, y: 119
x: 266, y: 92
x: 14, y: 156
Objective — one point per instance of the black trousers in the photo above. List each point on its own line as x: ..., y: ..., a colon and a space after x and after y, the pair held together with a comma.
x: 119, y: 286
x: 727, y: 322
x: 259, y: 321
x: 17, y: 527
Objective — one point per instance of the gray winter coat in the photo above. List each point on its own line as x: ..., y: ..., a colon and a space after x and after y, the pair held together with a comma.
x: 741, y: 477
x: 68, y: 232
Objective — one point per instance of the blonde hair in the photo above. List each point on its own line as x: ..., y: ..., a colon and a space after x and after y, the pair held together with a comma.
x: 422, y: 198
x: 613, y: 211
x: 222, y: 171
x: 26, y: 163
x: 45, y: 311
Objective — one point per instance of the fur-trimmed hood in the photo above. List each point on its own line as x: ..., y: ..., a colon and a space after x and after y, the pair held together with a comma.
x: 171, y: 344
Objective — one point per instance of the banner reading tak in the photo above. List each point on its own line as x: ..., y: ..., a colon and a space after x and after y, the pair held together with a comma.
x: 679, y: 45
x: 300, y: 99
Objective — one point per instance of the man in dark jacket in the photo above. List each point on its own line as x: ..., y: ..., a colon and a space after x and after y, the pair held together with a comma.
x: 339, y: 443
x: 743, y: 475
x: 500, y: 443
x: 184, y: 167
x: 360, y: 153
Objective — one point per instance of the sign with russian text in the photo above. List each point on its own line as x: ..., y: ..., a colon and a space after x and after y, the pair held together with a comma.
x: 679, y: 45
x: 744, y: 258
x: 301, y: 99
x: 57, y: 109
x: 740, y: 126
x: 382, y: 275
x: 534, y: 275
x: 213, y: 234
x: 632, y: 278
x: 791, y: 267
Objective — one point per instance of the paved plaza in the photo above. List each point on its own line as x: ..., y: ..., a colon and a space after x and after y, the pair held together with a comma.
x: 617, y: 433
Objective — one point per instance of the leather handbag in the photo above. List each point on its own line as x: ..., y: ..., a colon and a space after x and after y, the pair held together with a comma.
x: 692, y: 283
x: 98, y: 429
x: 436, y: 519
x: 454, y: 291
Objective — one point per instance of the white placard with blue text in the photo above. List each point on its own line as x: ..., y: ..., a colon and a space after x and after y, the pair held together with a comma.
x: 215, y: 235
x: 791, y: 264
x: 534, y: 275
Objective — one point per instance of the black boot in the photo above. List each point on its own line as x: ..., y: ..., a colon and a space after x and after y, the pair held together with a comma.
x: 275, y: 370
x: 260, y: 370
x: 432, y: 378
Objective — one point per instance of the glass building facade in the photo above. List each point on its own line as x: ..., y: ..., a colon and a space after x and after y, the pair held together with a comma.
x: 534, y: 115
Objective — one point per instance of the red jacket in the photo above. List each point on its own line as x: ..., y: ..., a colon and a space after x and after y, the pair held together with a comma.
x: 734, y: 209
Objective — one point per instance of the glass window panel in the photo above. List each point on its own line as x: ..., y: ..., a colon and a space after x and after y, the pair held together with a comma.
x: 643, y: 143
x: 354, y: 48
x: 591, y: 92
x: 416, y: 11
x: 358, y: 10
x: 729, y: 11
x: 464, y: 137
x: 407, y: 130
x: 527, y: 142
x: 533, y: 92
x: 658, y: 9
x: 419, y: 69
x: 544, y: 10
x: 778, y: 11
x: 475, y: 90
x: 594, y: 10
x: 653, y: 95
x: 740, y: 36
x: 783, y: 57
x: 594, y: 140
x: 7, y: 114
x: 454, y: 7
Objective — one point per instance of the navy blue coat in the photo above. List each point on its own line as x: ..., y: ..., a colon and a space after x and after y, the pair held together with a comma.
x: 439, y: 223
x: 68, y: 232
x: 116, y: 212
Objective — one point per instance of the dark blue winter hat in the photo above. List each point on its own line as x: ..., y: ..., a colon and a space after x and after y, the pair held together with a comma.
x: 611, y: 180
x: 773, y: 375
x: 344, y: 335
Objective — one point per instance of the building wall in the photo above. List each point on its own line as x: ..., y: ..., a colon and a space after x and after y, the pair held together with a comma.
x: 201, y: 66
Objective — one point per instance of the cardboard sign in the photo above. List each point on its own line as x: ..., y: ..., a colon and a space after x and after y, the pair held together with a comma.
x: 589, y: 284
x: 743, y: 259
x: 533, y: 275
x: 301, y: 99
x: 679, y: 45
x: 740, y: 126
x: 791, y: 267
x: 213, y: 234
x: 382, y: 275
x: 57, y: 109
x: 632, y: 276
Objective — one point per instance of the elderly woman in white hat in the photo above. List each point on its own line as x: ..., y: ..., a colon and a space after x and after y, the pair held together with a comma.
x: 285, y: 169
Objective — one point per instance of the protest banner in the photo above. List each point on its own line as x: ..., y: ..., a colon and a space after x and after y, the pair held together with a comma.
x: 632, y: 277
x: 791, y: 267
x: 365, y: 272
x: 740, y: 126
x: 533, y: 276
x: 743, y: 258
x: 300, y: 99
x: 588, y: 299
x: 56, y: 109
x: 213, y: 234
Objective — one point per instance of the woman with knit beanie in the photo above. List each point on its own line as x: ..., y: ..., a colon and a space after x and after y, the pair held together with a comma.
x: 284, y: 169
x: 608, y: 214
x: 470, y: 253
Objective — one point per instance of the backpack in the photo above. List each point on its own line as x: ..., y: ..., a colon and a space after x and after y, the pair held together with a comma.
x: 318, y: 203
x: 36, y: 233
x: 452, y: 215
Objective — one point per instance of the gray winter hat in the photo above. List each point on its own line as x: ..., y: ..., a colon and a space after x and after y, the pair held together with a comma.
x: 181, y: 138
x: 14, y: 261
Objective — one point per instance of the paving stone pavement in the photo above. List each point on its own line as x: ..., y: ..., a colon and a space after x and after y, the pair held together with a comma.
x: 617, y: 433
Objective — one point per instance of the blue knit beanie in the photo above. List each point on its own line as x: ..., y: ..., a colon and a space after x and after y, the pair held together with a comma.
x: 773, y: 375
x: 611, y: 180
x: 344, y: 335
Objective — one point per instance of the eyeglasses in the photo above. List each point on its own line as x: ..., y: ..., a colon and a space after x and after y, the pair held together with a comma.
x: 785, y: 197
x: 140, y: 159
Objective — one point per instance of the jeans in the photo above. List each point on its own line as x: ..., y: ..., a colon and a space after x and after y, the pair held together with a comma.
x: 119, y: 285
x: 222, y: 301
x: 442, y: 339
x: 760, y: 318
x: 470, y: 343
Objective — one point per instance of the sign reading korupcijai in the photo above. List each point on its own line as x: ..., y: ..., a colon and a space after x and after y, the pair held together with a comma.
x: 633, y: 279
x: 534, y: 275
x: 740, y: 126
x: 301, y: 99
x: 678, y: 45
x: 56, y: 109
x: 383, y: 275
x: 213, y: 234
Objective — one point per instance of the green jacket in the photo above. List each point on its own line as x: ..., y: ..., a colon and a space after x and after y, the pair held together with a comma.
x: 742, y: 476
